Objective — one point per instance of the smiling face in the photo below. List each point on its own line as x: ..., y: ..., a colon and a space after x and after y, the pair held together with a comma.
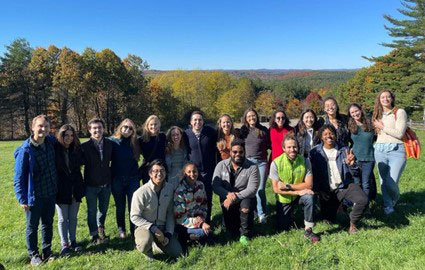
x: 251, y: 118
x: 68, y: 138
x: 191, y: 173
x: 153, y: 127
x: 331, y: 107
x: 279, y: 119
x: 386, y: 100
x: 157, y: 175
x: 308, y: 119
x: 127, y: 130
x: 237, y: 154
x: 40, y: 128
x: 355, y: 113
x: 197, y: 122
x: 96, y: 130
x: 291, y: 149
x: 328, y: 138
x: 226, y: 124
x: 176, y: 136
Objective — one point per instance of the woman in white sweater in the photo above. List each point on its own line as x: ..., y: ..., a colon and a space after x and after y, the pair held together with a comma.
x: 390, y: 155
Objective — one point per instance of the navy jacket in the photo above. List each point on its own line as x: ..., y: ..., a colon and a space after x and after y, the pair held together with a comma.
x: 202, y: 152
x: 123, y: 162
x: 319, y: 166
x: 24, y: 170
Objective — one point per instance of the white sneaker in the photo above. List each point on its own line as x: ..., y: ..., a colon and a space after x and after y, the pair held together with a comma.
x: 262, y: 219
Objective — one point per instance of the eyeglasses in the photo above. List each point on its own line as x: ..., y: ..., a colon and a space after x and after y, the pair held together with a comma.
x: 238, y: 152
x: 128, y: 127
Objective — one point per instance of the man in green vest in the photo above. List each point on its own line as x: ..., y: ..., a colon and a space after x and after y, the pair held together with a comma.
x: 292, y: 182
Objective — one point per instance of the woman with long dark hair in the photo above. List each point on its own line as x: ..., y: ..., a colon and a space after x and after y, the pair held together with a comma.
x: 125, y: 173
x: 306, y: 132
x: 152, y: 144
x: 175, y: 154
x: 278, y: 128
x: 70, y: 186
x: 390, y: 124
x: 257, y: 142
x: 362, y: 135
x: 337, y: 120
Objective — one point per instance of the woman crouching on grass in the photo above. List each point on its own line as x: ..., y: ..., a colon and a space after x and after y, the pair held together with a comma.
x: 190, y: 208
x: 70, y: 187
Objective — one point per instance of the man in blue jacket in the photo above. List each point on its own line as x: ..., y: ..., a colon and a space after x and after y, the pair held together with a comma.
x: 35, y: 185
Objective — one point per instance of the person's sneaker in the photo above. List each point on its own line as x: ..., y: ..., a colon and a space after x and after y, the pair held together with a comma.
x: 95, y: 240
x: 75, y: 247
x: 388, y: 210
x: 36, y: 260
x: 309, y: 234
x: 262, y: 219
x: 48, y: 257
x: 244, y: 240
x: 122, y: 235
x: 353, y: 229
x: 101, y: 233
x: 65, y: 251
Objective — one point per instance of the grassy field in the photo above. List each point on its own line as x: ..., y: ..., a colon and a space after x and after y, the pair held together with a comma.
x: 395, y: 242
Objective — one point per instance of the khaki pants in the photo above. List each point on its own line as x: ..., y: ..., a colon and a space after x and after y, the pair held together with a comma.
x: 146, y: 242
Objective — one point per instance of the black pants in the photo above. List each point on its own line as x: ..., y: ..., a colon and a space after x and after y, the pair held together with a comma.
x: 284, y: 211
x: 236, y: 220
x: 329, y: 202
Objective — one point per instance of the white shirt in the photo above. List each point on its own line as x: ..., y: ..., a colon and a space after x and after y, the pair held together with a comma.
x: 333, y: 172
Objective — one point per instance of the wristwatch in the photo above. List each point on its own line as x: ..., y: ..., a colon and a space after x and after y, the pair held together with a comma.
x: 288, y: 187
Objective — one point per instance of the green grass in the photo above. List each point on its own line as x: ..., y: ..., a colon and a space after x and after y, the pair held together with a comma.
x: 395, y: 242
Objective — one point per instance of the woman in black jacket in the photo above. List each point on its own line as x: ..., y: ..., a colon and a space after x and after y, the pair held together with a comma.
x: 70, y: 186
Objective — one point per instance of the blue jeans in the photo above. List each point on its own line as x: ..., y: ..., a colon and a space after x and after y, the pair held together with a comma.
x: 284, y: 212
x: 390, y: 167
x: 44, y: 210
x: 122, y: 189
x: 67, y: 221
x: 366, y: 177
x: 96, y: 218
x: 261, y: 193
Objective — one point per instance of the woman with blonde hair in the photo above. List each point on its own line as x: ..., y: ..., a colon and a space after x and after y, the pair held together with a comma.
x: 226, y: 133
x: 70, y: 186
x: 125, y: 173
x: 175, y: 154
x: 152, y: 144
x: 390, y: 124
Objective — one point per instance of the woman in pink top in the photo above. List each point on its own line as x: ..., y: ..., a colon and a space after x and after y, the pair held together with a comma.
x: 279, y: 127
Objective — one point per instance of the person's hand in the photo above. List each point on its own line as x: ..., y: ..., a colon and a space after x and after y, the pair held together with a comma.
x: 281, y: 185
x: 25, y: 207
x: 165, y: 241
x: 231, y: 196
x: 305, y: 192
x: 349, y: 157
x: 206, y: 228
x: 378, y: 124
x: 198, y: 221
x: 227, y: 203
x: 159, y: 235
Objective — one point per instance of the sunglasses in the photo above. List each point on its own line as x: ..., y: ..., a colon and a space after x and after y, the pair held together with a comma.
x: 280, y: 118
x: 128, y: 127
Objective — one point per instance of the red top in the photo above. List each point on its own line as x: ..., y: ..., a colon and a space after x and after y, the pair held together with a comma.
x: 276, y: 138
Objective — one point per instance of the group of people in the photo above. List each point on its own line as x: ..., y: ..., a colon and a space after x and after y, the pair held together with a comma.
x: 328, y: 161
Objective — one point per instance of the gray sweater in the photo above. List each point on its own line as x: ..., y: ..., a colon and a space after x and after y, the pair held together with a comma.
x: 148, y: 210
x: 246, y: 182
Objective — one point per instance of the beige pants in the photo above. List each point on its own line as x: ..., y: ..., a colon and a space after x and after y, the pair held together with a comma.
x: 146, y: 242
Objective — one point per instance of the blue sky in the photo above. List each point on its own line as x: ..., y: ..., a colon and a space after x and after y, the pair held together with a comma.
x: 285, y: 34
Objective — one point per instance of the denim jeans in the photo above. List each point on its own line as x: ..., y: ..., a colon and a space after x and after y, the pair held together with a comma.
x: 261, y: 193
x: 96, y: 218
x: 44, y: 210
x: 284, y: 212
x: 67, y: 221
x: 367, y: 176
x: 122, y: 189
x: 390, y: 167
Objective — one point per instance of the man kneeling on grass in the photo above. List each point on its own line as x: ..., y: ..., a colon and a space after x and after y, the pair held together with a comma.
x: 292, y: 182
x: 152, y: 211
x: 236, y: 181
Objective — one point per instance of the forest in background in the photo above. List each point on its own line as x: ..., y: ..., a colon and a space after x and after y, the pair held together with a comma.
x: 72, y: 87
